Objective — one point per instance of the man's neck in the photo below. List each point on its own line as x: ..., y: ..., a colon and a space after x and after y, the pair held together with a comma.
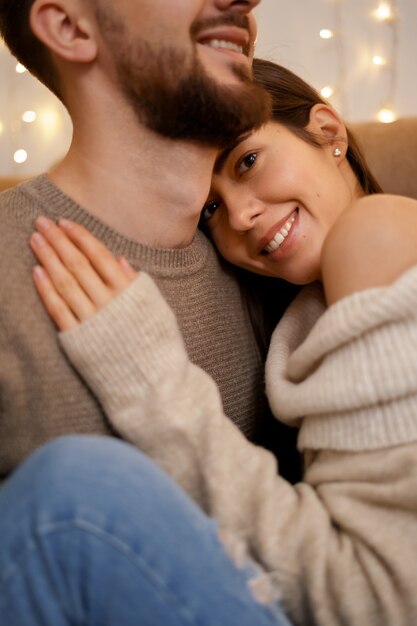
x: 144, y: 186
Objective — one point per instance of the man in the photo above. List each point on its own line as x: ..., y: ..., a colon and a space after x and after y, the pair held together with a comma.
x: 91, y: 531
x: 153, y: 89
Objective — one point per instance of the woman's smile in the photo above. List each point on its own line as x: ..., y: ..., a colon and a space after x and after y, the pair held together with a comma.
x: 278, y: 235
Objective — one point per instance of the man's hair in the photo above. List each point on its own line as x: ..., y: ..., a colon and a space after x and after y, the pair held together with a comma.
x: 24, y: 45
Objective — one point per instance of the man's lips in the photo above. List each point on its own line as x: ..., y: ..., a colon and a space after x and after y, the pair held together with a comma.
x: 269, y: 236
x: 227, y: 38
x: 234, y: 28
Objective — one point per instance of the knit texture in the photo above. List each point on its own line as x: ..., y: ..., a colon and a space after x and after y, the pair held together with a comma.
x: 340, y: 546
x: 42, y: 396
x: 351, y: 382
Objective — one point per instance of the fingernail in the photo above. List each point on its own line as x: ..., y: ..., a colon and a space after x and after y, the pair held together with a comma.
x: 66, y: 224
x: 43, y: 223
x: 39, y: 272
x: 124, y: 263
x: 38, y: 239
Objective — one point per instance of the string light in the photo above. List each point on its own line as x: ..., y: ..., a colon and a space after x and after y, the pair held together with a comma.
x: 379, y: 60
x: 384, y: 12
x: 327, y: 91
x: 335, y: 37
x: 29, y: 117
x: 386, y: 115
x: 20, y: 156
x: 326, y: 33
x: 20, y: 69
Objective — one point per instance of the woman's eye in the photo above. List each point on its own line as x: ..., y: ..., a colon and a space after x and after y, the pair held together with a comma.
x: 246, y: 163
x: 209, y: 210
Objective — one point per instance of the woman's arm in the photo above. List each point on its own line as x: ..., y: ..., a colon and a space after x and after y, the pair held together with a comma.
x: 370, y: 245
x: 337, y: 545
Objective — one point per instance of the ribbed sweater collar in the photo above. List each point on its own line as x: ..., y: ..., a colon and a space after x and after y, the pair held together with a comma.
x: 51, y: 201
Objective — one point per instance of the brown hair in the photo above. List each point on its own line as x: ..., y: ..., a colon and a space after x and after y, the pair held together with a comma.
x: 24, y: 45
x: 292, y: 100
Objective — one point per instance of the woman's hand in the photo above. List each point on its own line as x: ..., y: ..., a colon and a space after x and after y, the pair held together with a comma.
x: 77, y: 274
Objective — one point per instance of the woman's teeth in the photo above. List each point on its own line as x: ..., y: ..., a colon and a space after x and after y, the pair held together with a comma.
x: 280, y: 237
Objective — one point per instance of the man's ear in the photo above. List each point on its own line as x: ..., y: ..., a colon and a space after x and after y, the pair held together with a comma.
x: 65, y: 28
x: 326, y: 123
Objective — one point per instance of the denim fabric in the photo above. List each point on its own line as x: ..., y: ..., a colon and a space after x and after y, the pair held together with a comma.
x: 92, y: 533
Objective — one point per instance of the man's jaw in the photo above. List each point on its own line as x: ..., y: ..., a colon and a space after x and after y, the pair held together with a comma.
x: 223, y: 51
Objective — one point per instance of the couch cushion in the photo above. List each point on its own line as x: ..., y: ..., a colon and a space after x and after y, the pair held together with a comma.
x: 391, y: 152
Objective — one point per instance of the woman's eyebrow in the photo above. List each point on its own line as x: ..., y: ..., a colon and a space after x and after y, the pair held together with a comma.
x: 224, y: 154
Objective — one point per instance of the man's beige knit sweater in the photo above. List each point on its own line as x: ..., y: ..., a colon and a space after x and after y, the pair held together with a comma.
x: 341, y: 546
x: 41, y: 395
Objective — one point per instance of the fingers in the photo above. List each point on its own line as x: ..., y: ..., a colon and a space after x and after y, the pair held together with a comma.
x: 100, y: 257
x: 127, y: 268
x: 73, y: 262
x: 57, y: 308
x: 80, y: 274
x: 65, y: 286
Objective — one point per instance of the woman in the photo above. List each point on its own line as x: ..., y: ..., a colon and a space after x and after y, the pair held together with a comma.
x: 293, y: 200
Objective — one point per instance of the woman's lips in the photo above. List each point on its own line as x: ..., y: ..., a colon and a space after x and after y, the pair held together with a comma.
x: 276, y: 236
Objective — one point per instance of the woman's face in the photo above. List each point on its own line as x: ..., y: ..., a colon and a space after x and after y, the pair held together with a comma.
x: 274, y: 200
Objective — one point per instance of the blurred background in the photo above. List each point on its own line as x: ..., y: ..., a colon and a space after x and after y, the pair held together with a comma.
x: 359, y: 53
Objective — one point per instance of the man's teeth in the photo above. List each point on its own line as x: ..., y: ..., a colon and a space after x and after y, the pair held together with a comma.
x: 280, y: 237
x: 228, y: 45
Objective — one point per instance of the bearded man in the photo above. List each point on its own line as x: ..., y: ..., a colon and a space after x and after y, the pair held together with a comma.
x: 153, y: 89
x: 91, y: 530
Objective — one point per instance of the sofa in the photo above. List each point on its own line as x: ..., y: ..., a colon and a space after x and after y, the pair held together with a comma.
x: 391, y: 151
x: 9, y: 181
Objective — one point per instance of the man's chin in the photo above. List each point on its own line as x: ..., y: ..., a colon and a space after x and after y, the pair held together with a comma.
x: 225, y: 67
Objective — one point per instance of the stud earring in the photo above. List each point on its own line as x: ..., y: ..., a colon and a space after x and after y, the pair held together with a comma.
x: 337, y: 152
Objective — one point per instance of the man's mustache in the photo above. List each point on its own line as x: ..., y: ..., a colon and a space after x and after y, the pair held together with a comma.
x: 229, y: 19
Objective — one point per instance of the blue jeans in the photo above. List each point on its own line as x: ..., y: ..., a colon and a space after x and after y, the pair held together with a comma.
x: 93, y: 533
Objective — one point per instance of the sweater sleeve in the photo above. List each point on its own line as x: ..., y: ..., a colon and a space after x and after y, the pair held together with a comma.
x: 338, y: 546
x: 347, y: 375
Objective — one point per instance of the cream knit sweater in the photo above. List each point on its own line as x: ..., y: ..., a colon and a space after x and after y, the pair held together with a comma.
x: 341, y: 546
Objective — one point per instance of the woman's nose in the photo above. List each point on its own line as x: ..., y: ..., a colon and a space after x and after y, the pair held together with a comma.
x: 244, y: 213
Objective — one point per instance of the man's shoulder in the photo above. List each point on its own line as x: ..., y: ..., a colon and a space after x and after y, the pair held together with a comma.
x: 17, y: 209
x: 8, y: 197
x: 9, y: 202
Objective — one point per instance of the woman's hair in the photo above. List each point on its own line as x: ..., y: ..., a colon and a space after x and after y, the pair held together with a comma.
x: 292, y: 100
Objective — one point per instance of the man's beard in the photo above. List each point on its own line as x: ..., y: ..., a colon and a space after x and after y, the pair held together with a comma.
x: 176, y: 98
